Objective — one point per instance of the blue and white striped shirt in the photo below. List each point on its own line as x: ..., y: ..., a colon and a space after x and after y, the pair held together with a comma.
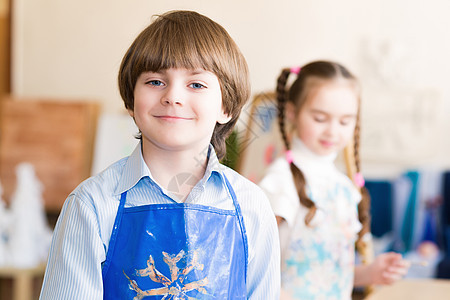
x: 81, y: 238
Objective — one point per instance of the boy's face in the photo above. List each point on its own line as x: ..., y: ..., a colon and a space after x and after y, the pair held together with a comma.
x: 177, y: 109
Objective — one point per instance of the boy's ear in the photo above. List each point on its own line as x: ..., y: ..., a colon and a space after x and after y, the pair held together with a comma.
x: 131, y: 112
x: 223, y: 117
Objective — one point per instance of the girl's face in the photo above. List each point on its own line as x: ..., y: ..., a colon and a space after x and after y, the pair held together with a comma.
x: 177, y: 109
x: 326, y: 122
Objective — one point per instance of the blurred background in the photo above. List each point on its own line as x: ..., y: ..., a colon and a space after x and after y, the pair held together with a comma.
x: 60, y: 108
x: 399, y: 50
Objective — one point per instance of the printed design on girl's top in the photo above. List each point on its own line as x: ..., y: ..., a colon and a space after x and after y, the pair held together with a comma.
x: 174, y: 288
x: 319, y: 261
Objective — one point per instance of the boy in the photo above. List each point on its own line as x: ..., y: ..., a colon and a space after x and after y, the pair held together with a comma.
x: 171, y: 221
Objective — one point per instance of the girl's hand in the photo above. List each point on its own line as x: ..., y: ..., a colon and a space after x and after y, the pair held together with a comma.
x: 388, y: 268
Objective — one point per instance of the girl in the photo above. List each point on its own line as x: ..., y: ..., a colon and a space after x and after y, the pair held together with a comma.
x: 316, y: 206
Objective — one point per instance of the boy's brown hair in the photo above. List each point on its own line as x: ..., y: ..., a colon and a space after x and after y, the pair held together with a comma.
x: 186, y: 39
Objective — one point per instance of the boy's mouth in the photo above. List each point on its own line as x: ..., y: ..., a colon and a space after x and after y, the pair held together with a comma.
x: 172, y: 118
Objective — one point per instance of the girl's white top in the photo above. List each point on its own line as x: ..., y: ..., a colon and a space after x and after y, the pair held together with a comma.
x: 317, y: 260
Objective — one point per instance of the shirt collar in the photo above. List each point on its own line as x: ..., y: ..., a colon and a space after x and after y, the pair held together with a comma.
x: 135, y: 169
x: 213, y: 166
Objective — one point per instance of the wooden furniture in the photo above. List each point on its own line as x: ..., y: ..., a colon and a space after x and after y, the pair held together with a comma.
x: 409, y: 289
x: 57, y: 137
x: 23, y: 280
x: 5, y: 46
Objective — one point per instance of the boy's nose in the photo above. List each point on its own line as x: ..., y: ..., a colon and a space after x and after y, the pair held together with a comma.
x: 170, y: 101
x: 172, y: 97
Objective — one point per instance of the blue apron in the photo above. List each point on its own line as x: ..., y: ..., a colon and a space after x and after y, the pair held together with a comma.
x: 176, y: 251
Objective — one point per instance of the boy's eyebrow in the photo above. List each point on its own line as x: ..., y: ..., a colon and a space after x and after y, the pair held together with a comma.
x: 191, y: 72
x: 197, y: 71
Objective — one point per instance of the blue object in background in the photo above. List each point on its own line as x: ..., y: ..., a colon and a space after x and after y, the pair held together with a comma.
x: 443, y: 269
x: 381, y: 206
x: 407, y: 229
x: 446, y: 213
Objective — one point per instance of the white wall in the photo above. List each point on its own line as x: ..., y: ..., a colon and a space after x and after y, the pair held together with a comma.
x: 399, y: 49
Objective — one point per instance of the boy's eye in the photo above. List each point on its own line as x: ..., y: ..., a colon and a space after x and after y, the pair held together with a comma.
x: 155, y: 82
x: 197, y: 85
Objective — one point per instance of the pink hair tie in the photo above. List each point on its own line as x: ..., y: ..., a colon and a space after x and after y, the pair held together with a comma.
x: 295, y: 70
x: 289, y: 156
x: 359, y: 180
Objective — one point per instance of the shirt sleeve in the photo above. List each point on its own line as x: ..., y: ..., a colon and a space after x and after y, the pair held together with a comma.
x: 74, y: 264
x: 263, y: 280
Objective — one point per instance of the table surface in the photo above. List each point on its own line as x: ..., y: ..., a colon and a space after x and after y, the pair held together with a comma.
x: 414, y: 289
x: 8, y: 271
